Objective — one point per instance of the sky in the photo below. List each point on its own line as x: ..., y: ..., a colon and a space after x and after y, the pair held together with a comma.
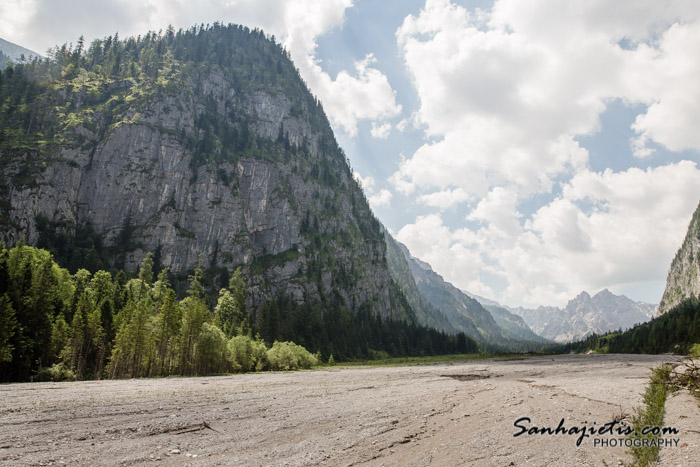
x: 527, y: 150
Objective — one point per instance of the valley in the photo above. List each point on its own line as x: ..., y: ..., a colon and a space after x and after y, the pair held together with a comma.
x: 446, y: 414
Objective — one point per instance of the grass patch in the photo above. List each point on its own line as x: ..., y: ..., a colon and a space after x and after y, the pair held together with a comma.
x: 417, y: 361
x: 651, y: 415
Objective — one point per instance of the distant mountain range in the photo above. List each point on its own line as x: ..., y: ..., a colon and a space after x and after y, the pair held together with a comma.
x: 439, y: 304
x: 583, y: 316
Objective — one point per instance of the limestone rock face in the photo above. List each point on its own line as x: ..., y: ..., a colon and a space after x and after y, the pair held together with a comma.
x: 211, y: 165
x: 585, y: 315
x: 684, y: 275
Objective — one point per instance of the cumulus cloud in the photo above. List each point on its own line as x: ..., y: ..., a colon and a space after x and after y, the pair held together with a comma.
x: 382, y: 198
x: 444, y: 199
x: 362, y: 93
x: 505, y: 90
x: 376, y: 198
x: 607, y: 229
x: 505, y: 93
x: 380, y: 131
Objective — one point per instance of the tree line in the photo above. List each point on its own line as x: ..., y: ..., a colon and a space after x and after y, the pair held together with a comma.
x: 56, y: 325
x: 675, y: 331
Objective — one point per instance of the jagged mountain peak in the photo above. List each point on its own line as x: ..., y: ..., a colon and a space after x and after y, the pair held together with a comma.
x: 583, y: 297
x: 585, y: 315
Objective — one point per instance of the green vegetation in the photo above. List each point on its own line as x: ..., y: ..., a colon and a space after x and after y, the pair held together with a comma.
x: 3, y: 60
x: 332, y: 329
x: 387, y: 360
x: 651, y: 415
x: 675, y: 331
x: 58, y: 326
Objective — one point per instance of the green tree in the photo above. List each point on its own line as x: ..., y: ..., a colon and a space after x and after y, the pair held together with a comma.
x: 230, y: 312
x: 194, y: 314
x: 146, y: 270
x: 166, y: 331
x: 8, y: 324
x: 87, y: 341
x: 134, y: 342
x: 212, y: 354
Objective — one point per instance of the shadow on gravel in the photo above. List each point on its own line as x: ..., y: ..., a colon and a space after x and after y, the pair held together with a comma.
x: 466, y: 377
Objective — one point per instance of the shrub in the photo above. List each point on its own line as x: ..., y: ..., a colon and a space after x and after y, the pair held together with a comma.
x: 290, y: 356
x: 247, y: 354
x: 57, y: 372
x: 212, y: 353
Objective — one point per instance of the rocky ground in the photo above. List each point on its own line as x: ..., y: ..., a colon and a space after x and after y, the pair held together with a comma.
x: 461, y: 414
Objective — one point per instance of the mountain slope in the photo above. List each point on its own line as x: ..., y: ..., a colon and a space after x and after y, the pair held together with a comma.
x: 683, y: 279
x: 437, y: 302
x: 202, y: 146
x: 513, y: 326
x: 398, y: 258
x: 14, y: 52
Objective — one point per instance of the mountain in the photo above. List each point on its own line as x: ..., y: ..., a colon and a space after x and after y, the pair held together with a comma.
x: 585, y: 315
x: 202, y: 146
x: 683, y: 279
x: 398, y: 259
x: 513, y: 326
x: 13, y: 52
x: 439, y: 304
x: 463, y: 312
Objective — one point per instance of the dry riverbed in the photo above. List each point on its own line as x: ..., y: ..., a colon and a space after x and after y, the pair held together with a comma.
x: 458, y: 414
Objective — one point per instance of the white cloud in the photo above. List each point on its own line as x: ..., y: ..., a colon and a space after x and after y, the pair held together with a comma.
x: 508, y: 92
x: 673, y: 116
x: 499, y: 210
x: 383, y: 198
x: 503, y: 96
x: 444, y: 199
x: 380, y: 131
x: 609, y: 229
x: 348, y: 99
x: 362, y: 93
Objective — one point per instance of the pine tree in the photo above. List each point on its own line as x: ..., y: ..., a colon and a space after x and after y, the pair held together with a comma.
x: 230, y: 312
x: 8, y: 325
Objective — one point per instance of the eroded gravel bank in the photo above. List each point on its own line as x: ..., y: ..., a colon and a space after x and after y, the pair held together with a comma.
x: 442, y: 415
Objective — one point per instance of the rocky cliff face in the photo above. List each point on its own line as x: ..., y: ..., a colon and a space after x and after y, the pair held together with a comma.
x: 585, y: 315
x: 233, y: 164
x: 684, y: 275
